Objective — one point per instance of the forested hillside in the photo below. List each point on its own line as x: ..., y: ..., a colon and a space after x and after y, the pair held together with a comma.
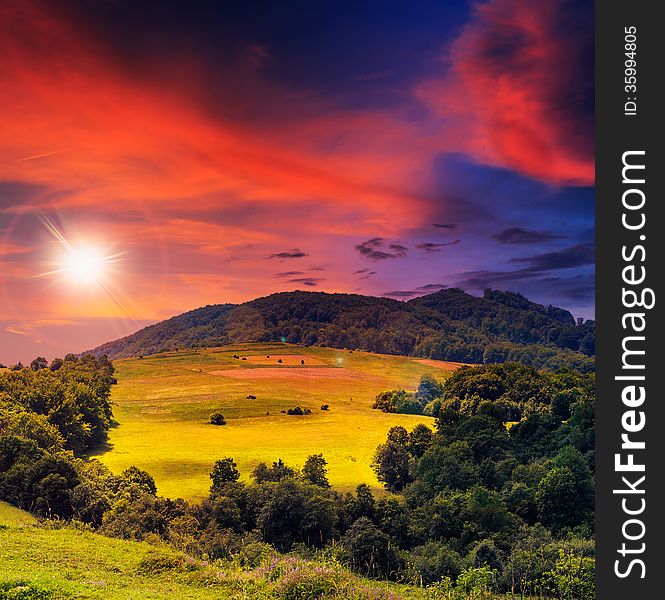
x: 446, y: 325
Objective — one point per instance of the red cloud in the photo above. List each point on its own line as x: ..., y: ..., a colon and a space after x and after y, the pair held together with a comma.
x: 519, y: 93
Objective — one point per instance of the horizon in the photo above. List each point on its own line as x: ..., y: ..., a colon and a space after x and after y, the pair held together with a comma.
x: 157, y: 157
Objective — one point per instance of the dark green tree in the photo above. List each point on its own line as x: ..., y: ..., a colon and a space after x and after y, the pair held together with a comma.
x: 223, y: 471
x: 393, y: 466
x: 314, y: 471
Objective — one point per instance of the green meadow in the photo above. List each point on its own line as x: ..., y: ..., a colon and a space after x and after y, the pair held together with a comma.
x: 162, y: 405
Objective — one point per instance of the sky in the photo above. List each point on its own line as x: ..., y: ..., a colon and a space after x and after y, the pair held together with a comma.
x: 160, y: 156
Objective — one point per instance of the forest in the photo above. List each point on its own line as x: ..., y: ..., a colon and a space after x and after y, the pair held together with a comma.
x: 498, y: 496
x: 446, y: 325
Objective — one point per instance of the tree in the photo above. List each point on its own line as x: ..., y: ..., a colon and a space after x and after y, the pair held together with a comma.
x: 448, y: 466
x: 428, y: 389
x: 385, y: 402
x: 39, y: 363
x: 485, y: 553
x: 276, y: 472
x: 365, y: 503
x: 281, y: 517
x: 556, y: 499
x: 398, y: 435
x: 133, y: 476
x: 393, y: 466
x: 407, y: 404
x: 565, y: 496
x: 56, y: 364
x: 315, y: 470
x: 419, y: 439
x: 223, y: 471
x: 34, y: 427
x: 368, y: 550
x: 572, y: 576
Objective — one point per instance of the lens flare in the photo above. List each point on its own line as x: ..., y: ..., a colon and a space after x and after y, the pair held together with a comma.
x: 84, y: 264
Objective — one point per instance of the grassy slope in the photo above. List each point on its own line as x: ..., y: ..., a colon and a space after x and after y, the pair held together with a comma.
x: 38, y: 563
x: 162, y: 404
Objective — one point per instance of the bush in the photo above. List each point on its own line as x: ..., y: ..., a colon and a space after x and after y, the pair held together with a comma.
x: 432, y: 562
x: 572, y: 577
x: 476, y: 580
x: 24, y: 590
x: 160, y: 562
x: 407, y: 404
x: 302, y: 581
x: 217, y: 419
x: 299, y: 411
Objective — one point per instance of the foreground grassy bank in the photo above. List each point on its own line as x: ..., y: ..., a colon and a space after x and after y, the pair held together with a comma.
x: 162, y: 405
x: 40, y: 562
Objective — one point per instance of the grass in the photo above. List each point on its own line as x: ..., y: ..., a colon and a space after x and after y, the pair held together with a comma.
x: 45, y: 563
x: 10, y: 515
x: 162, y: 404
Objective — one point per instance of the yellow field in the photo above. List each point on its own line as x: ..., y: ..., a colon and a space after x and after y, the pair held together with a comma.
x: 162, y: 404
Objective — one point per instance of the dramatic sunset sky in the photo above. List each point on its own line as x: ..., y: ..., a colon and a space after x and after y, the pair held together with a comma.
x: 210, y: 152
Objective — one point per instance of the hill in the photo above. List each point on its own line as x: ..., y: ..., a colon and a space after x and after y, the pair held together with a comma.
x: 50, y: 563
x: 447, y: 325
x: 163, y: 403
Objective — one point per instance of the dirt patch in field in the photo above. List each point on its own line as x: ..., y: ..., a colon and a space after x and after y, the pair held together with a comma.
x: 287, y: 360
x: 312, y: 373
x: 441, y: 364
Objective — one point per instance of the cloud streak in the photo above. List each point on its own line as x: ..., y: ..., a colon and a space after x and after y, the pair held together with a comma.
x: 379, y: 248
x: 436, y: 247
x: 519, y: 235
x: 293, y: 253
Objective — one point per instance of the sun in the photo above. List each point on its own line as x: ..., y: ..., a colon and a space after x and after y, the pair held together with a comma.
x: 84, y: 264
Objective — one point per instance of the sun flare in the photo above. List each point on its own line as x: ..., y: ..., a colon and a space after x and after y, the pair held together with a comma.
x: 84, y: 264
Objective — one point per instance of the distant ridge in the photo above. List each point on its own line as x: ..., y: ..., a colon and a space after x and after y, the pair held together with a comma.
x: 449, y: 325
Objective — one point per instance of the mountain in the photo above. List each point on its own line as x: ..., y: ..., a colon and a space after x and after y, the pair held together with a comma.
x: 449, y: 325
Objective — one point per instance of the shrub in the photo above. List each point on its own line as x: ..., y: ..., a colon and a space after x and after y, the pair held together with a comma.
x: 159, y: 562
x: 432, y: 562
x: 299, y: 411
x: 253, y: 552
x: 217, y: 419
x: 476, y: 580
x: 24, y: 590
x: 302, y: 581
x: 572, y: 577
